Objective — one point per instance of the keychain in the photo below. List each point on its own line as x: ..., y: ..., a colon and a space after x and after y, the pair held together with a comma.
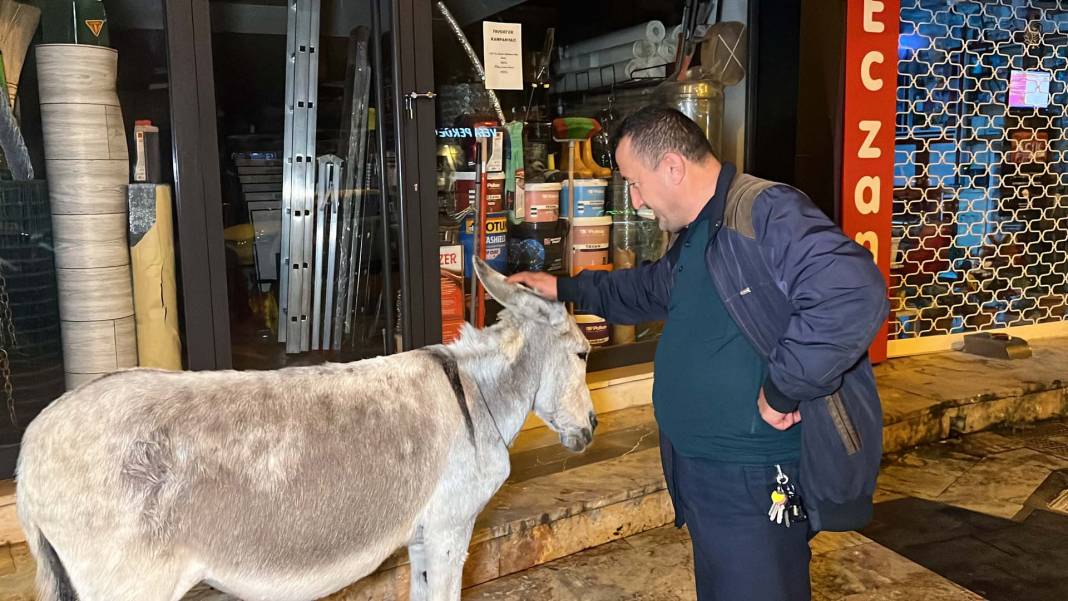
x: 786, y: 505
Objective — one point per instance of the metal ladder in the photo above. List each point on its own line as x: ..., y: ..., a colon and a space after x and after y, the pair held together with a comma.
x: 327, y: 223
x: 298, y: 175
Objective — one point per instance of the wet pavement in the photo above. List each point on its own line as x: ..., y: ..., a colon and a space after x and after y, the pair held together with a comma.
x: 983, y: 516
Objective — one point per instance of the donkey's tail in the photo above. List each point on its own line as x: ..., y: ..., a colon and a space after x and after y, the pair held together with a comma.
x: 53, y: 584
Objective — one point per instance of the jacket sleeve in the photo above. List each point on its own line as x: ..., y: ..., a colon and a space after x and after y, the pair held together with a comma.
x: 837, y: 292
x: 627, y: 296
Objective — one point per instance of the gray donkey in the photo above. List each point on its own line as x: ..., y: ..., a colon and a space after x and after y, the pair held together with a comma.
x: 289, y: 485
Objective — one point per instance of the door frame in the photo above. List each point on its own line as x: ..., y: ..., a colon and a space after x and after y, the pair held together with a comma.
x: 201, y: 251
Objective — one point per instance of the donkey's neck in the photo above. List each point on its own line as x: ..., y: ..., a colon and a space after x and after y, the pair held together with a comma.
x: 503, y: 399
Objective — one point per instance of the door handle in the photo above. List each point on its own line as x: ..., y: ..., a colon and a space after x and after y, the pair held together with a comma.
x: 411, y: 97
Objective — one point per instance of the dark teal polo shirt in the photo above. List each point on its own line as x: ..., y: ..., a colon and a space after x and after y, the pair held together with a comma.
x: 707, y: 374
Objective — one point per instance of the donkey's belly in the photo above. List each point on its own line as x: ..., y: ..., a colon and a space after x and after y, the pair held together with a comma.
x: 285, y: 583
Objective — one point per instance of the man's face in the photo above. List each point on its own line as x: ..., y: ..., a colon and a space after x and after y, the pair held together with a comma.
x: 650, y: 186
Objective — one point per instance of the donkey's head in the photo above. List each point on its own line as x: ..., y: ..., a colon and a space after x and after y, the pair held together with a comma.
x: 552, y: 357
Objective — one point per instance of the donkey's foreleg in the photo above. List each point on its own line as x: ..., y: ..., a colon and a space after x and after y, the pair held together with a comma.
x: 446, y: 551
x: 417, y: 562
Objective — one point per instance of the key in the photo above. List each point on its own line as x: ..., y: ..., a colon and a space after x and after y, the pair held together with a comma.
x: 778, y: 506
x: 781, y: 511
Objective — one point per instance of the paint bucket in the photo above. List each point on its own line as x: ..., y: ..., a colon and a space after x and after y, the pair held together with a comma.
x: 465, y: 190
x: 541, y: 203
x: 589, y: 198
x: 589, y: 243
x: 595, y: 328
x: 588, y: 233
x: 496, y: 241
x: 537, y: 246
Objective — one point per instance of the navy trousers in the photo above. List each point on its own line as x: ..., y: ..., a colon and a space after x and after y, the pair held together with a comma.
x: 739, y: 555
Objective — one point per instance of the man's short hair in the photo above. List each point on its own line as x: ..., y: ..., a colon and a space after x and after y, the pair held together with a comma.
x: 657, y: 130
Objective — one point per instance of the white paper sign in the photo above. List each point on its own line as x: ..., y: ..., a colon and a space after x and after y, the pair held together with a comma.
x: 502, y: 49
x: 496, y: 153
x: 451, y: 258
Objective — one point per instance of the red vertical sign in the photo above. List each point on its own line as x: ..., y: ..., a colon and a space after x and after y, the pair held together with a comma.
x: 868, y: 141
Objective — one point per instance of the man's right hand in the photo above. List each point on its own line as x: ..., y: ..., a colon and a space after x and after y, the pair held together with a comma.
x: 543, y: 284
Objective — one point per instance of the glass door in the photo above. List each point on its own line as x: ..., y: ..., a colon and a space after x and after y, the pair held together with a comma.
x: 309, y: 187
x: 502, y: 142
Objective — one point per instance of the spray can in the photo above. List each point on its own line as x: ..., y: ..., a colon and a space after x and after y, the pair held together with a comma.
x: 146, y: 141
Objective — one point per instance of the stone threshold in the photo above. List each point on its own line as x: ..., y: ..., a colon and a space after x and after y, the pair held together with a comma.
x: 543, y: 519
x: 934, y: 397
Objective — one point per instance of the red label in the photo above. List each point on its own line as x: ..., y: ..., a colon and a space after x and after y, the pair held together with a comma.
x: 868, y: 141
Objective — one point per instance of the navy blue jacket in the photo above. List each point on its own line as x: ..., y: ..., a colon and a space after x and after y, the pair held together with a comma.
x: 811, y: 301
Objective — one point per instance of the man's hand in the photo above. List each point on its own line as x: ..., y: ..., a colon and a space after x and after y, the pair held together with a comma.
x: 779, y: 421
x: 541, y: 283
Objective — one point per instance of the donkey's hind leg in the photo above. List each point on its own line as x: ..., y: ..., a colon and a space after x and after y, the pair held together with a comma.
x: 147, y: 579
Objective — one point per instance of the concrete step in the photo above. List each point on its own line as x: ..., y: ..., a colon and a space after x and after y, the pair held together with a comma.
x: 928, y: 398
x: 555, y: 504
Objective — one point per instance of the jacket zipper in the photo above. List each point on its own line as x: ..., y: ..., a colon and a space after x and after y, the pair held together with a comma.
x: 846, y: 431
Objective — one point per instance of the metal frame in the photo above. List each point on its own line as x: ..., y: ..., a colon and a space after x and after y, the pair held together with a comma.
x: 197, y: 185
x: 375, y: 47
x: 413, y: 71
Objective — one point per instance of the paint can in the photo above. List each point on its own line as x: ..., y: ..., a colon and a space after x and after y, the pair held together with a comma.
x: 589, y: 198
x: 594, y: 327
x: 536, y: 246
x: 465, y: 190
x: 541, y: 203
x: 496, y: 237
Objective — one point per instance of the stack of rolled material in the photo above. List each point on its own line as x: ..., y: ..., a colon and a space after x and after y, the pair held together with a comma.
x: 88, y: 170
x: 613, y: 58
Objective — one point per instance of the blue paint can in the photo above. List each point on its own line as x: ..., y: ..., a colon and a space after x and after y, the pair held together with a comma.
x: 589, y: 198
x: 496, y: 236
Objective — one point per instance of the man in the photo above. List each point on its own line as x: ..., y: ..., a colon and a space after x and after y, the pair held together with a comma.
x: 763, y: 391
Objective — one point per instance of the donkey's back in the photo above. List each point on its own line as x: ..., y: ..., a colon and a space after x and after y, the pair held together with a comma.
x: 285, y: 484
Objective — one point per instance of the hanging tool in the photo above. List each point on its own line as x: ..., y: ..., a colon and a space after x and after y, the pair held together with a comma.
x: 693, y: 14
x: 326, y: 212
x: 355, y: 176
x: 573, y: 130
x: 478, y: 235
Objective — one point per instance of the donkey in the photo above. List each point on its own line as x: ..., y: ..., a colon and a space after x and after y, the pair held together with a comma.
x: 289, y: 485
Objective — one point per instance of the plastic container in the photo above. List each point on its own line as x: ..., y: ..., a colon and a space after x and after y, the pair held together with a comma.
x: 465, y: 190
x: 538, y: 247
x: 588, y: 233
x: 496, y: 242
x: 541, y: 203
x: 589, y: 198
x: 595, y: 328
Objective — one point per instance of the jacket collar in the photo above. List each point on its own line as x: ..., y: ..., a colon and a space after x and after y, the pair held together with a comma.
x: 715, y: 207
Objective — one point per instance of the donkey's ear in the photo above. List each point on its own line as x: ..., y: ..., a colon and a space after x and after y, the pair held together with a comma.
x: 496, y: 284
x: 519, y: 299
